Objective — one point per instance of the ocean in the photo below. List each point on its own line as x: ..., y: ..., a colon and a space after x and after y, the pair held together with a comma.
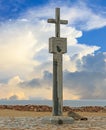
x: 71, y: 103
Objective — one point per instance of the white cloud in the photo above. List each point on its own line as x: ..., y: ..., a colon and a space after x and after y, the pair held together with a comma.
x: 16, y: 48
x: 78, y: 15
x: 11, y: 88
x: 83, y: 17
x: 89, y: 81
x: 24, y: 53
x: 76, y: 53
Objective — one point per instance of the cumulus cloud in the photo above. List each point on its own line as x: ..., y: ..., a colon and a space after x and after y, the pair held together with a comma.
x: 38, y: 82
x: 14, y: 97
x: 11, y: 88
x: 16, y: 45
x: 89, y: 81
x: 24, y: 45
x: 75, y: 54
x: 32, y: 83
x: 26, y: 65
x: 86, y: 85
x: 93, y: 63
x: 86, y: 19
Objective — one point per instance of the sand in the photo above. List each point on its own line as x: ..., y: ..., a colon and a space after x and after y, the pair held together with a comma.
x: 15, y: 113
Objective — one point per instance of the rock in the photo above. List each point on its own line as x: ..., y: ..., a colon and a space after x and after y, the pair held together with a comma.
x: 45, y: 108
x: 84, y: 118
x: 75, y: 116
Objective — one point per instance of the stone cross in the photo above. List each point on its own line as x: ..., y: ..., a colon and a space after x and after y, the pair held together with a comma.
x: 57, y: 22
x: 57, y: 46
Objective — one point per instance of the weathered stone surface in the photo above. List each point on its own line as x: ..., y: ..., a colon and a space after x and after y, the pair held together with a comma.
x: 29, y: 123
x: 57, y: 120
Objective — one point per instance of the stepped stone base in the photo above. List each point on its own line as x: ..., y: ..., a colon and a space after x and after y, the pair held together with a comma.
x: 57, y: 120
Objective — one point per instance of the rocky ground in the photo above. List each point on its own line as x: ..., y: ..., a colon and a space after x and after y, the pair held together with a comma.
x: 29, y: 123
x: 96, y: 118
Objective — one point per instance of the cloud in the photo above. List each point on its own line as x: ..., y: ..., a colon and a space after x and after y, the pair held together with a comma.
x: 14, y: 97
x: 11, y: 88
x: 93, y: 63
x: 86, y: 85
x: 21, y: 90
x: 75, y: 54
x: 26, y: 65
x: 38, y: 82
x: 87, y: 19
x: 22, y: 43
x: 89, y: 81
x: 32, y: 83
x: 16, y: 45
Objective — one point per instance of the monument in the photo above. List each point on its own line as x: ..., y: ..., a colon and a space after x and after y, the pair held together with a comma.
x: 57, y: 46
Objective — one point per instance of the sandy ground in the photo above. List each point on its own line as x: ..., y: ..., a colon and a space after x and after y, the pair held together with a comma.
x: 15, y: 113
x: 25, y: 120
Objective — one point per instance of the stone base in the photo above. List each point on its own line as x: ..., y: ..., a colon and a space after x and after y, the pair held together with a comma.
x: 57, y: 120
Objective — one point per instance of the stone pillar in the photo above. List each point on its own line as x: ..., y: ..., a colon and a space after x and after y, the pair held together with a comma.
x: 57, y: 85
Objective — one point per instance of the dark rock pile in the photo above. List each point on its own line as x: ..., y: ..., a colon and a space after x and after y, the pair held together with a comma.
x: 36, y: 108
x: 89, y: 109
x: 45, y: 108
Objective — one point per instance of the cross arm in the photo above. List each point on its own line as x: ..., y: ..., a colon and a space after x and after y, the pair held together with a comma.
x: 54, y: 21
x: 51, y: 21
x: 63, y: 21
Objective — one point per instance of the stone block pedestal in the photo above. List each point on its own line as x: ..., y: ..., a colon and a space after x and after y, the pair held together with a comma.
x: 57, y: 120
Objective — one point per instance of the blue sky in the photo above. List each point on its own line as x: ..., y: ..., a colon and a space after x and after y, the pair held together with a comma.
x: 12, y: 10
x: 26, y: 65
x: 95, y: 37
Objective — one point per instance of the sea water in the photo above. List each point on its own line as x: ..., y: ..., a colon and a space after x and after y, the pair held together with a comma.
x: 71, y: 103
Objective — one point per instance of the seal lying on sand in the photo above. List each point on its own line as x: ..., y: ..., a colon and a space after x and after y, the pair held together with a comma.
x: 76, y: 116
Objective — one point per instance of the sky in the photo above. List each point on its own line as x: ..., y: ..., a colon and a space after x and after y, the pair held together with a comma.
x: 25, y: 61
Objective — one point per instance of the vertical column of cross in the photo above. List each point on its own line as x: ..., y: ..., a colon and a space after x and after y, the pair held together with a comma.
x: 57, y: 73
x: 57, y: 25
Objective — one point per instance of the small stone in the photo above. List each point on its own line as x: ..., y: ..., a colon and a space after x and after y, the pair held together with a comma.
x: 60, y: 122
x: 76, y: 116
